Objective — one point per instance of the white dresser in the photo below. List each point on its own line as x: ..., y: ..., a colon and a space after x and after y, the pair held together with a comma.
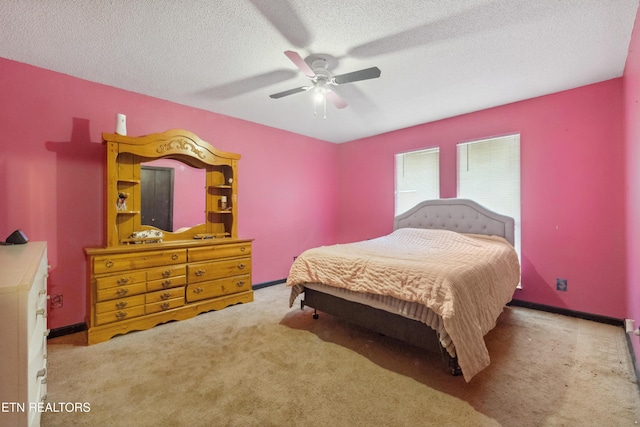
x: 23, y: 333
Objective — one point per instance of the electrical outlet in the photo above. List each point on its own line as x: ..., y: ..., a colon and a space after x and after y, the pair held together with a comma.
x: 561, y: 285
x: 56, y: 301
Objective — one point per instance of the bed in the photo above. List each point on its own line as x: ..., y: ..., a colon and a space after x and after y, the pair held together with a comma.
x: 439, y: 281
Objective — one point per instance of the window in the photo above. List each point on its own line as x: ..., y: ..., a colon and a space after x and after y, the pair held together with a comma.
x: 489, y: 173
x: 417, y: 178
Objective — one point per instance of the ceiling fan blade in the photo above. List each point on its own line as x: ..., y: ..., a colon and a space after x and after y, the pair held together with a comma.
x: 299, y: 62
x: 366, y: 74
x: 290, y: 92
x: 336, y: 100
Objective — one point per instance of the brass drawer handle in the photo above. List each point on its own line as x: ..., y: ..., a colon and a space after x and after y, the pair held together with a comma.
x: 166, y: 273
x: 121, y: 314
x: 165, y: 295
x: 198, y: 290
x: 166, y: 283
x: 200, y: 272
x: 41, y: 312
x: 123, y: 281
x: 108, y: 263
x: 174, y: 257
x: 121, y: 304
x: 242, y: 266
x: 122, y: 292
x: 240, y: 283
x: 242, y: 249
x: 165, y: 305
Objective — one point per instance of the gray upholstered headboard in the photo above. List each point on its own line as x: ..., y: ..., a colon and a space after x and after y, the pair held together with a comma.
x: 460, y: 215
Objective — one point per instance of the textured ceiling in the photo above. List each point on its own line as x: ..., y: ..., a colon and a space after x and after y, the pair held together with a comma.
x: 438, y: 58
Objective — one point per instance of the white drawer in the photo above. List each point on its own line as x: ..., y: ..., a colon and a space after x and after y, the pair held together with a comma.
x: 37, y: 323
x: 43, y: 299
x: 37, y: 357
x: 34, y: 419
x: 37, y: 392
x: 36, y: 339
x: 33, y: 299
x: 37, y: 299
x: 37, y: 379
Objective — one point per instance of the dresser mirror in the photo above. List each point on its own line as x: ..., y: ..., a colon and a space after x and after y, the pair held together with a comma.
x: 172, y: 195
x: 204, y: 187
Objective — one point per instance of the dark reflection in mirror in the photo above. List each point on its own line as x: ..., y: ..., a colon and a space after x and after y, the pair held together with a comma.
x: 178, y: 193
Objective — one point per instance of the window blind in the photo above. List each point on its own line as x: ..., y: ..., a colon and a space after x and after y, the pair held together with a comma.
x: 417, y: 178
x: 489, y: 173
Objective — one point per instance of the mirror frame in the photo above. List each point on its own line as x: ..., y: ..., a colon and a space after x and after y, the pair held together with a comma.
x: 124, y: 157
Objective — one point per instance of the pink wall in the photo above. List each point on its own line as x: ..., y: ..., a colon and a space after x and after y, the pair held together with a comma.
x: 296, y: 192
x: 632, y: 141
x: 52, y: 174
x: 573, y: 202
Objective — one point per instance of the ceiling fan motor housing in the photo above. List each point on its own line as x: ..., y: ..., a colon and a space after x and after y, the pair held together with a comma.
x: 320, y: 68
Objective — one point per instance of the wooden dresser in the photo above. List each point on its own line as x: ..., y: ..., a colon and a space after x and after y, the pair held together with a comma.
x: 23, y: 332
x: 138, y: 287
x: 145, y: 275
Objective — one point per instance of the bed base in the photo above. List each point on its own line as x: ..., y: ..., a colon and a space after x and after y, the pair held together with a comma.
x: 392, y: 325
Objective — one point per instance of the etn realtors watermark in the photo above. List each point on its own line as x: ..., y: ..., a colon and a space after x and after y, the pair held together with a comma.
x: 10, y: 407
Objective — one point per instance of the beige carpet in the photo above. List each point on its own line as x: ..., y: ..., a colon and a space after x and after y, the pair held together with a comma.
x: 265, y: 364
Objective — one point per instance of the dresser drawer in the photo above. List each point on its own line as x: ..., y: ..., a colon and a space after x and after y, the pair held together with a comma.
x: 172, y: 282
x: 219, y: 252
x: 121, y: 291
x: 134, y: 261
x: 121, y: 279
x: 203, y: 271
x: 119, y: 304
x: 164, y: 305
x: 37, y: 305
x: 165, y: 295
x: 114, y: 316
x: 166, y: 272
x: 38, y: 366
x: 37, y: 294
x: 36, y: 359
x: 35, y: 337
x: 37, y: 380
x: 217, y: 288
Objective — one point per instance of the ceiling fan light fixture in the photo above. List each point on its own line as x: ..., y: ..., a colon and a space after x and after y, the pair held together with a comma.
x: 320, y: 92
x: 320, y: 98
x: 320, y: 76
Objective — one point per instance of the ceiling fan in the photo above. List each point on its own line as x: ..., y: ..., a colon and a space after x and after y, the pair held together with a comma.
x: 322, y: 80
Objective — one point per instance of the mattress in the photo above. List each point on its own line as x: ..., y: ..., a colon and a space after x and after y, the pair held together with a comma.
x: 464, y: 279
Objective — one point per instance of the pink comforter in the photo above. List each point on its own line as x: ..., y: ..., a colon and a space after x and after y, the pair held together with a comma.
x: 464, y: 278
